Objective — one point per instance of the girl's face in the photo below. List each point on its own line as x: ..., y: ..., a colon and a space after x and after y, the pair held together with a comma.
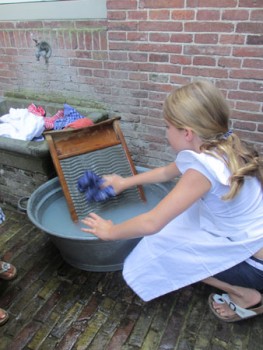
x: 176, y: 137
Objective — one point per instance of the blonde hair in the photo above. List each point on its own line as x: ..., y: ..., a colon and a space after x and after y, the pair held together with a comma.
x: 201, y: 107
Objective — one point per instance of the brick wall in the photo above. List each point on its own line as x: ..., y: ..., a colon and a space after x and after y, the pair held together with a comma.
x: 130, y: 61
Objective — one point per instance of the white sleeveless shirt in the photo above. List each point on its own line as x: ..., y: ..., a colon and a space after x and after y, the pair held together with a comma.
x: 209, y: 237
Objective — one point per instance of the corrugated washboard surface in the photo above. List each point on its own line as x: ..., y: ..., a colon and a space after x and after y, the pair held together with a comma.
x: 105, y: 161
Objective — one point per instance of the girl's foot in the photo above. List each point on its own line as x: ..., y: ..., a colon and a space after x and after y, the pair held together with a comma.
x: 3, y: 317
x: 7, y: 271
x: 249, y: 299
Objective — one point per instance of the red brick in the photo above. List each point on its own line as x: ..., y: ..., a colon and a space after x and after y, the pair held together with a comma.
x: 117, y: 15
x: 138, y: 57
x: 83, y: 54
x: 233, y: 39
x: 157, y: 4
x: 183, y: 15
x: 245, y: 125
x: 95, y: 41
x: 117, y: 36
x: 248, y: 27
x: 159, y: 15
x: 248, y: 106
x: 103, y: 40
x: 246, y: 74
x: 121, y: 4
x: 138, y: 76
x: 137, y: 36
x: 160, y: 68
x: 160, y: 48
x: 208, y: 15
x: 181, y: 38
x: 137, y: 15
x: 81, y: 40
x: 244, y: 115
x: 205, y: 72
x: 206, y: 38
x: 160, y: 26
x: 227, y: 62
x: 158, y: 58
x: 204, y: 61
x: 248, y: 51
x: 207, y: 50
x: 255, y: 40
x: 250, y: 3
x: 235, y: 15
x: 181, y: 59
x: 159, y: 37
x: 246, y: 96
x: 251, y: 86
x: 253, y: 63
x: 256, y: 15
x: 118, y: 56
x: 210, y: 3
x: 210, y: 27
x: 123, y: 25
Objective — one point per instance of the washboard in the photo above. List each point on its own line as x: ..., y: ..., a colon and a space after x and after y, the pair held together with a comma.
x: 100, y: 148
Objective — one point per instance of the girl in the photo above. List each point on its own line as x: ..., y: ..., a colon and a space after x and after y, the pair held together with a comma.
x: 210, y: 226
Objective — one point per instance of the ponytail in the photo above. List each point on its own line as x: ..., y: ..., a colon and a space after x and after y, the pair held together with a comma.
x: 240, y: 158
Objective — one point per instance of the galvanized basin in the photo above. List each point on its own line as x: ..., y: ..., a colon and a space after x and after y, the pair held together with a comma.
x: 47, y: 209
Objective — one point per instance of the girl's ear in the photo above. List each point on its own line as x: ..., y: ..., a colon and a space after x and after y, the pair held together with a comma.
x: 189, y: 134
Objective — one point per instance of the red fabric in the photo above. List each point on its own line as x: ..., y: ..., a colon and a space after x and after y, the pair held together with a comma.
x: 49, y: 121
x: 80, y: 123
x: 36, y: 110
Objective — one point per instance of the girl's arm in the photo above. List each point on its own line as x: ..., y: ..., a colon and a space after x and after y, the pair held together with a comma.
x: 161, y: 174
x: 191, y: 187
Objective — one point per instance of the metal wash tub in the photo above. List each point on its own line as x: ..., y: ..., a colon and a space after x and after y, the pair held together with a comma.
x: 47, y: 209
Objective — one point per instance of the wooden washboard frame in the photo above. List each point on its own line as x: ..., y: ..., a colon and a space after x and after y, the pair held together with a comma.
x: 70, y: 143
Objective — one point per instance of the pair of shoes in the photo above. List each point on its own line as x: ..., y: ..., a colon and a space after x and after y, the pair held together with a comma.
x: 240, y: 313
x: 4, y: 317
x: 7, y: 271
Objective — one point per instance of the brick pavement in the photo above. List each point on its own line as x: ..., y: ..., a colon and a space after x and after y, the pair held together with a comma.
x: 55, y: 306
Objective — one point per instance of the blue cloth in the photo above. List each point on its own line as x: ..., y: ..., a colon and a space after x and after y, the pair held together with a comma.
x: 70, y: 116
x: 2, y: 216
x: 90, y: 183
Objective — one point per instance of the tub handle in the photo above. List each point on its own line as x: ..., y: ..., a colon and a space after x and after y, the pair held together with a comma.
x: 22, y: 204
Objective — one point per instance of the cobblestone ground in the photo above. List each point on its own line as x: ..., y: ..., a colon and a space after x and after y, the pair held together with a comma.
x: 55, y: 306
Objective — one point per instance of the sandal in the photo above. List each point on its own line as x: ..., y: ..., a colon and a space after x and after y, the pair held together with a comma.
x: 5, y: 317
x: 7, y: 271
x: 240, y: 313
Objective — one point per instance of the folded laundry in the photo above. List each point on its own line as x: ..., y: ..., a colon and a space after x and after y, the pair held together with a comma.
x: 70, y: 115
x: 80, y: 123
x: 90, y: 183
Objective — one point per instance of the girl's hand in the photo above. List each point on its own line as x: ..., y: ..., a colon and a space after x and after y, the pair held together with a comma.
x: 98, y: 226
x: 116, y: 181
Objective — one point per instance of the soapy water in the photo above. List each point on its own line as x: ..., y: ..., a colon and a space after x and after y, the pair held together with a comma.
x: 56, y: 219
